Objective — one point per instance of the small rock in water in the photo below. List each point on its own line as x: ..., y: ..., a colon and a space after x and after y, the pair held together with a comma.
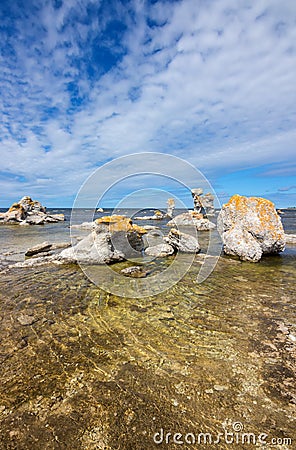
x: 134, y: 271
x: 218, y: 387
x: 209, y: 391
x: 290, y: 238
x: 25, y: 319
x: 40, y: 248
x: 283, y: 328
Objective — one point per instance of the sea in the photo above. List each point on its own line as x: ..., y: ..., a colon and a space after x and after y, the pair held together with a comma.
x: 197, y: 365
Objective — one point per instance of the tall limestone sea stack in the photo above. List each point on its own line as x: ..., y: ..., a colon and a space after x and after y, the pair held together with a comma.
x: 29, y: 212
x: 250, y: 227
x: 170, y: 208
x: 203, y: 203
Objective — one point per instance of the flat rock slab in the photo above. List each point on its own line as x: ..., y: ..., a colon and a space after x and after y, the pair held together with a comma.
x: 39, y: 248
x: 290, y: 238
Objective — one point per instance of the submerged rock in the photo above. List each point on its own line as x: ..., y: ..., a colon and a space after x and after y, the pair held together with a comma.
x: 29, y: 212
x: 250, y: 227
x: 194, y: 219
x: 182, y: 242
x: 26, y: 319
x: 134, y: 272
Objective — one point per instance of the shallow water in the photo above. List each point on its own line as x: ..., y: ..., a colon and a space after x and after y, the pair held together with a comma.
x: 93, y: 370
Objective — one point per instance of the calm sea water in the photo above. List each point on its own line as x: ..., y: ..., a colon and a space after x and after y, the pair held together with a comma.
x: 84, y: 369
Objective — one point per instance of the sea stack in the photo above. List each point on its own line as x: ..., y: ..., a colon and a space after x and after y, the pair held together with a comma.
x: 250, y: 227
x: 29, y: 212
x: 170, y: 208
x: 203, y: 203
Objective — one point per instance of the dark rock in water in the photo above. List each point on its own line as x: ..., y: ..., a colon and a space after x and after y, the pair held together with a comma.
x: 182, y: 242
x: 250, y: 227
x: 43, y: 254
x: 29, y: 212
x: 134, y: 272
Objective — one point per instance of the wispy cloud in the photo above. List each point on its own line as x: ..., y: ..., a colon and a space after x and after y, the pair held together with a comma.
x: 287, y: 188
x: 85, y: 81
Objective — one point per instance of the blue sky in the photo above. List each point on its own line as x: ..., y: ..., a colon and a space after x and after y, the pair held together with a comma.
x: 86, y: 81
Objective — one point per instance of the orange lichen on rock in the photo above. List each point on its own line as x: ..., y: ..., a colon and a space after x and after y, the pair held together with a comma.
x: 251, y: 227
x: 15, y: 207
x: 263, y: 209
x: 196, y: 215
x: 120, y: 223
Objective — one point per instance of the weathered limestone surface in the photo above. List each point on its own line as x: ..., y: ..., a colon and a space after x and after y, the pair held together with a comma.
x: 182, y: 242
x: 250, y: 227
x: 203, y: 203
x: 114, y: 238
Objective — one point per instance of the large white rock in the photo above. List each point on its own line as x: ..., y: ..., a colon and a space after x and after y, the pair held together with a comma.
x: 250, y: 227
